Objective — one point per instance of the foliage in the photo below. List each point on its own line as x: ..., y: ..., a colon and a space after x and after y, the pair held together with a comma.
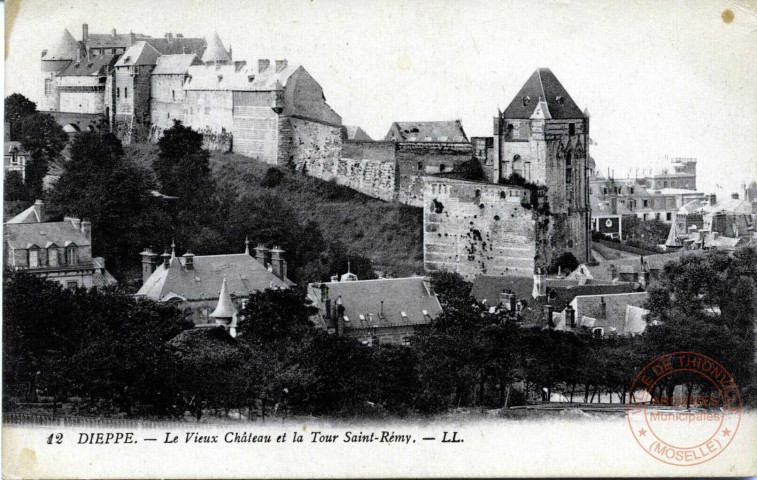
x: 14, y: 189
x: 566, y: 262
x: 44, y: 139
x: 646, y: 234
x: 17, y: 107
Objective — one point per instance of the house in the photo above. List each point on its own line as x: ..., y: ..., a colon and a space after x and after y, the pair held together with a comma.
x: 614, y: 314
x: 383, y: 311
x: 15, y: 157
x: 56, y: 251
x: 195, y: 283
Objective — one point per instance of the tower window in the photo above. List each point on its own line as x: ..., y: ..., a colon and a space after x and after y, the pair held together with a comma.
x: 442, y: 167
x: 420, y: 165
x: 126, y: 92
x: 526, y: 100
x: 560, y: 100
x: 173, y: 94
x: 571, y: 129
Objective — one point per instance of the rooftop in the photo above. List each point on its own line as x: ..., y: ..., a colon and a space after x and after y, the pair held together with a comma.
x: 175, y: 64
x: 543, y: 85
x: 92, y: 67
x: 44, y: 235
x: 427, y: 132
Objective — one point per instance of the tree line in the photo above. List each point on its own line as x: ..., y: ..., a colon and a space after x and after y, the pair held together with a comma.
x: 117, y: 355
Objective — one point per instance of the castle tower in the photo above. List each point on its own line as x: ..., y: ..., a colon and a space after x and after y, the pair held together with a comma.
x: 215, y: 53
x: 543, y: 136
x: 65, y: 50
x: 225, y: 313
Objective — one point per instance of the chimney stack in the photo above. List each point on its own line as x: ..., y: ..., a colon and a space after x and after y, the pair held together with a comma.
x: 570, y: 317
x: 429, y: 286
x: 712, y: 199
x: 262, y: 254
x: 189, y: 260
x: 149, y: 263
x: 113, y: 32
x: 613, y: 271
x: 86, y: 230
x: 602, y: 308
x: 278, y: 263
x: 263, y: 64
x: 169, y: 37
x: 166, y: 259
x: 280, y: 65
x: 39, y: 210
x: 539, y: 286
x: 339, y: 316
x: 84, y: 33
x: 548, y: 311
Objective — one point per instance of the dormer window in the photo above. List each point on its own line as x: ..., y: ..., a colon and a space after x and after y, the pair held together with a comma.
x: 72, y: 256
x: 526, y: 100
x: 220, y: 77
x: 560, y: 100
x: 52, y: 256
x: 250, y: 78
x: 33, y: 256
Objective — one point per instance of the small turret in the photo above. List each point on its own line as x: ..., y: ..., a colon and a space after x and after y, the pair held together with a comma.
x: 225, y: 312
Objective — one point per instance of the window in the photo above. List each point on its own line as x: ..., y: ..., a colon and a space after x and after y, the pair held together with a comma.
x: 48, y: 86
x: 113, y: 50
x: 630, y: 190
x: 405, y: 340
x: 72, y: 284
x: 420, y: 165
x: 645, y: 203
x: 118, y: 92
x: 568, y: 176
x: 668, y: 216
x: 665, y: 183
x: 657, y: 215
x: 526, y: 100
x: 52, y: 256
x: 442, y: 167
x: 71, y: 256
x: 33, y: 258
x: 126, y: 92
x: 173, y: 94
x: 572, y: 129
x: 604, y: 190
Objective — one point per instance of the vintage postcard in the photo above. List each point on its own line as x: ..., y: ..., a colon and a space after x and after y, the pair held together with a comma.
x: 331, y: 238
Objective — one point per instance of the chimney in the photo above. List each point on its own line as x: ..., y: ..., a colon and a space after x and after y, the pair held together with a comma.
x: 39, y: 210
x: 280, y: 65
x: 113, y: 32
x: 548, y: 310
x: 735, y: 196
x: 602, y: 308
x: 169, y: 37
x: 263, y: 64
x: 278, y: 263
x: 539, y: 287
x: 339, y: 316
x: 230, y: 52
x: 86, y: 230
x: 189, y: 260
x: 75, y: 221
x: 84, y: 33
x: 712, y: 199
x: 570, y: 317
x: 429, y: 286
x: 166, y: 259
x: 262, y: 254
x: 613, y: 271
x: 149, y: 263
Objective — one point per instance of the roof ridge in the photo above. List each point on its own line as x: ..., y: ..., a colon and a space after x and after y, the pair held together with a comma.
x: 541, y: 83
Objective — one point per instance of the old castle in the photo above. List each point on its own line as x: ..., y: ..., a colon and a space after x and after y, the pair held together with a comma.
x: 136, y: 86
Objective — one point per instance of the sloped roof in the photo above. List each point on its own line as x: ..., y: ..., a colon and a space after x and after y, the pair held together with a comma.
x: 654, y: 262
x: 427, y: 132
x: 178, y: 45
x: 544, y: 85
x: 614, y: 318
x: 364, y: 297
x: 43, y: 235
x: 215, y: 51
x: 636, y: 321
x: 94, y: 67
x: 357, y: 134
x: 141, y: 53
x: 602, y: 208
x: 225, y: 307
x: 244, y: 276
x: 66, y: 48
x: 175, y: 64
x: 488, y: 287
x: 27, y: 216
x: 12, y: 145
x: 237, y: 77
x: 109, y: 40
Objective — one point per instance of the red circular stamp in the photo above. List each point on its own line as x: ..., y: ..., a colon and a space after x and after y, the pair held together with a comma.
x: 684, y: 408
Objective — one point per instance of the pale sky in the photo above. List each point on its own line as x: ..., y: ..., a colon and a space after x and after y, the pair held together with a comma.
x: 659, y: 78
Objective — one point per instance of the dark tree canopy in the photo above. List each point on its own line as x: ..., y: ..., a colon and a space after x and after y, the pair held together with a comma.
x: 17, y: 107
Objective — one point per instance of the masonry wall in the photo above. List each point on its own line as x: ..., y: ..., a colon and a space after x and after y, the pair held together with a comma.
x: 80, y: 95
x: 256, y: 126
x: 416, y: 159
x: 210, y: 112
x: 132, y: 115
x: 367, y: 167
x: 314, y: 142
x: 477, y: 228
x: 166, y: 103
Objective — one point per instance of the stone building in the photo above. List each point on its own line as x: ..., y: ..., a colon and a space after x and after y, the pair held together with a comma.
x: 383, y: 311
x: 14, y: 155
x: 501, y: 228
x: 56, y: 251
x: 193, y: 282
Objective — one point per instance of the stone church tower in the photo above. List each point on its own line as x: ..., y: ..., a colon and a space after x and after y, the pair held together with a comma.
x: 544, y: 137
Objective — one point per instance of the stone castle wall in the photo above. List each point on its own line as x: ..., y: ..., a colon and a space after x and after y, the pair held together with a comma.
x: 477, y: 228
x: 416, y: 159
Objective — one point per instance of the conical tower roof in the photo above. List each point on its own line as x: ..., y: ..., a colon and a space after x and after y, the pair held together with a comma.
x: 225, y: 307
x: 544, y: 86
x: 66, y: 48
x: 215, y: 51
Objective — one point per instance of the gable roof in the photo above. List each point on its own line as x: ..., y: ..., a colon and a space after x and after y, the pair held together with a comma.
x: 543, y: 85
x: 113, y: 40
x: 357, y: 134
x: 244, y: 276
x: 364, y: 297
x: 175, y: 64
x: 44, y: 235
x: 30, y: 215
x: 215, y: 51
x: 141, y: 53
x: 602, y: 272
x: 178, y: 45
x: 427, y: 132
x: 66, y: 48
x: 94, y: 67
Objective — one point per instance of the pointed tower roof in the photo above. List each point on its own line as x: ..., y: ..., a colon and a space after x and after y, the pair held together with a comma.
x: 215, y: 52
x: 141, y: 53
x: 225, y: 307
x: 542, y: 85
x: 66, y: 48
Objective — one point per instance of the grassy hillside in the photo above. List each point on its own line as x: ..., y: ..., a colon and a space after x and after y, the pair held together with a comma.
x: 391, y: 235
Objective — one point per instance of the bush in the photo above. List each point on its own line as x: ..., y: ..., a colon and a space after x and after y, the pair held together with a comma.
x: 566, y: 262
x: 272, y: 178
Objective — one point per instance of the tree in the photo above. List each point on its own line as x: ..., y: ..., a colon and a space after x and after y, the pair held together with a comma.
x: 565, y: 263
x: 183, y: 166
x: 44, y: 139
x: 14, y: 187
x: 17, y: 107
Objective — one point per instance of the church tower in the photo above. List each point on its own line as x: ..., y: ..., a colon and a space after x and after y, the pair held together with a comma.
x: 543, y: 137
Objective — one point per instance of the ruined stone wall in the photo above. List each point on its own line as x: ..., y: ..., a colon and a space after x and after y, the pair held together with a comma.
x: 477, y: 228
x: 416, y: 159
x: 314, y: 142
x: 210, y: 112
